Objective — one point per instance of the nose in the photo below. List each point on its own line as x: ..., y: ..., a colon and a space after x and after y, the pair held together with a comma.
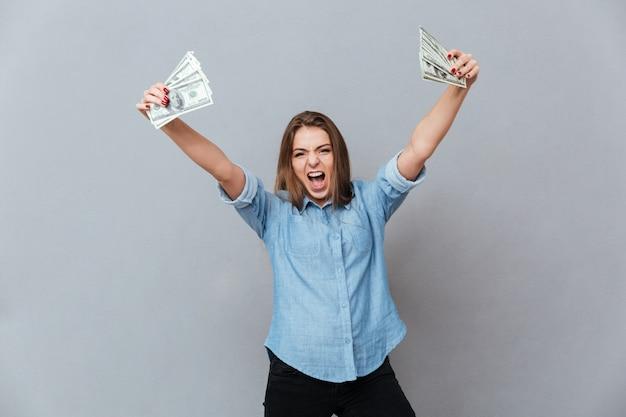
x: 313, y: 159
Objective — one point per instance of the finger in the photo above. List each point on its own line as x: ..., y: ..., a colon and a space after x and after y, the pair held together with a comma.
x: 160, y: 101
x: 155, y: 95
x: 453, y: 53
x: 144, y: 105
x: 143, y: 108
x: 461, y: 71
x: 147, y: 98
x: 143, y: 111
x: 460, y: 63
x: 473, y: 73
x: 156, y: 92
x: 151, y: 98
x: 162, y: 87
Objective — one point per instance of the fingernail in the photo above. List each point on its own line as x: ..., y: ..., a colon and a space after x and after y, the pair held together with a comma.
x: 449, y: 56
x: 453, y: 70
x: 166, y: 90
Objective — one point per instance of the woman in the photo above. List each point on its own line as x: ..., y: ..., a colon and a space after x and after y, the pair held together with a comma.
x: 334, y: 321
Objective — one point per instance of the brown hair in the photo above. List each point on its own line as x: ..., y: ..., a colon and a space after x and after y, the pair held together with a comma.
x: 340, y: 187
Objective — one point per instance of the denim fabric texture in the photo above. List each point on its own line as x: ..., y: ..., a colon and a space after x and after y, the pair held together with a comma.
x: 333, y: 315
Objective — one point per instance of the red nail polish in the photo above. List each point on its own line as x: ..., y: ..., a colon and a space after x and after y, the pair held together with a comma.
x: 449, y: 56
x: 453, y: 70
x: 166, y: 90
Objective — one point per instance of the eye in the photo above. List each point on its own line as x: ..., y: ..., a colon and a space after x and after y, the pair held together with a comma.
x: 298, y: 154
x: 325, y: 150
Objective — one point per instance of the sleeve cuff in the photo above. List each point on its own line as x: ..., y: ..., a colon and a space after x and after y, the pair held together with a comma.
x: 396, y: 179
x: 247, y: 194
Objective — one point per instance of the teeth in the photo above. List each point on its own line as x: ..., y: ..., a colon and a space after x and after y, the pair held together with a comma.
x: 315, y: 174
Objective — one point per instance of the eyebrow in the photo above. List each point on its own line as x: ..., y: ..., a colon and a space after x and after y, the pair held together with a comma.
x: 301, y: 149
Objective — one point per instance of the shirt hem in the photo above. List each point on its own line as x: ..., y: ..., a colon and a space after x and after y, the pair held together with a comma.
x: 390, y: 347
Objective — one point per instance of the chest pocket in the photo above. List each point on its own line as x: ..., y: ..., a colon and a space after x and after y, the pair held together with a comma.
x: 302, y: 237
x: 357, y: 231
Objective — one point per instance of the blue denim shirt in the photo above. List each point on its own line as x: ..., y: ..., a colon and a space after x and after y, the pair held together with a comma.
x: 333, y: 315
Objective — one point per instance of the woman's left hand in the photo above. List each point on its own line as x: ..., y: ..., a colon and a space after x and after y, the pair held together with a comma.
x: 465, y: 66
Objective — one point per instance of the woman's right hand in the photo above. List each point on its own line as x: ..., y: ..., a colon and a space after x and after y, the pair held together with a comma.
x: 157, y: 94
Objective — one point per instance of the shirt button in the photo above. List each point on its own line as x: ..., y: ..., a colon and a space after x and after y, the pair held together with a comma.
x: 347, y: 340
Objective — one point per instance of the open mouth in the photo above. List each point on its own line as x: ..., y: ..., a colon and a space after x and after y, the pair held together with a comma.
x: 317, y: 180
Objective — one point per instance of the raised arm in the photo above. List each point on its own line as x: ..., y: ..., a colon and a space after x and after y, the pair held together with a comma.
x: 431, y: 130
x: 200, y: 149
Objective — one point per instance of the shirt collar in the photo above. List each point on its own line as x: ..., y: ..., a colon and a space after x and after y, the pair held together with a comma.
x: 307, y: 200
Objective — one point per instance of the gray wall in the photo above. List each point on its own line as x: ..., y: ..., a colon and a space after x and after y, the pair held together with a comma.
x: 128, y: 289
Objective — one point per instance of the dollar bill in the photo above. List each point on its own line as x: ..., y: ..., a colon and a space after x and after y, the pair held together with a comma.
x: 183, y: 99
x: 189, y: 90
x: 431, y: 71
x: 195, y: 76
x: 434, y: 62
x: 188, y: 68
x: 185, y: 58
x: 432, y: 44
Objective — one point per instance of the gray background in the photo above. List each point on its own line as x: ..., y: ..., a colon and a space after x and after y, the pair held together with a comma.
x: 128, y: 289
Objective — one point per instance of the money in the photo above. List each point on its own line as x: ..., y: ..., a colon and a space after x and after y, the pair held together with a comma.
x: 434, y: 62
x: 188, y: 91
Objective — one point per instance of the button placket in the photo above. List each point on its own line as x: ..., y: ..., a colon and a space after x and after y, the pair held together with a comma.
x: 344, y: 311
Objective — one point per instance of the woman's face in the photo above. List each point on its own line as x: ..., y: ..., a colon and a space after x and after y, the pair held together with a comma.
x: 312, y: 155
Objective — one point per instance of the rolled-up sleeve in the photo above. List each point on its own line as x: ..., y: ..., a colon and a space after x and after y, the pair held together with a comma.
x: 247, y: 194
x: 254, y: 204
x: 391, y: 186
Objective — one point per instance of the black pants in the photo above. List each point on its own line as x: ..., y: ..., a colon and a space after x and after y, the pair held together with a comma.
x: 290, y: 393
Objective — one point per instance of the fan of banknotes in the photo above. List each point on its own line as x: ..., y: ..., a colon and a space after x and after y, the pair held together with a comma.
x: 189, y: 91
x: 434, y: 61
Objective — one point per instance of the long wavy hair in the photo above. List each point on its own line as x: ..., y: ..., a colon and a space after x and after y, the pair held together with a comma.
x: 286, y: 179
